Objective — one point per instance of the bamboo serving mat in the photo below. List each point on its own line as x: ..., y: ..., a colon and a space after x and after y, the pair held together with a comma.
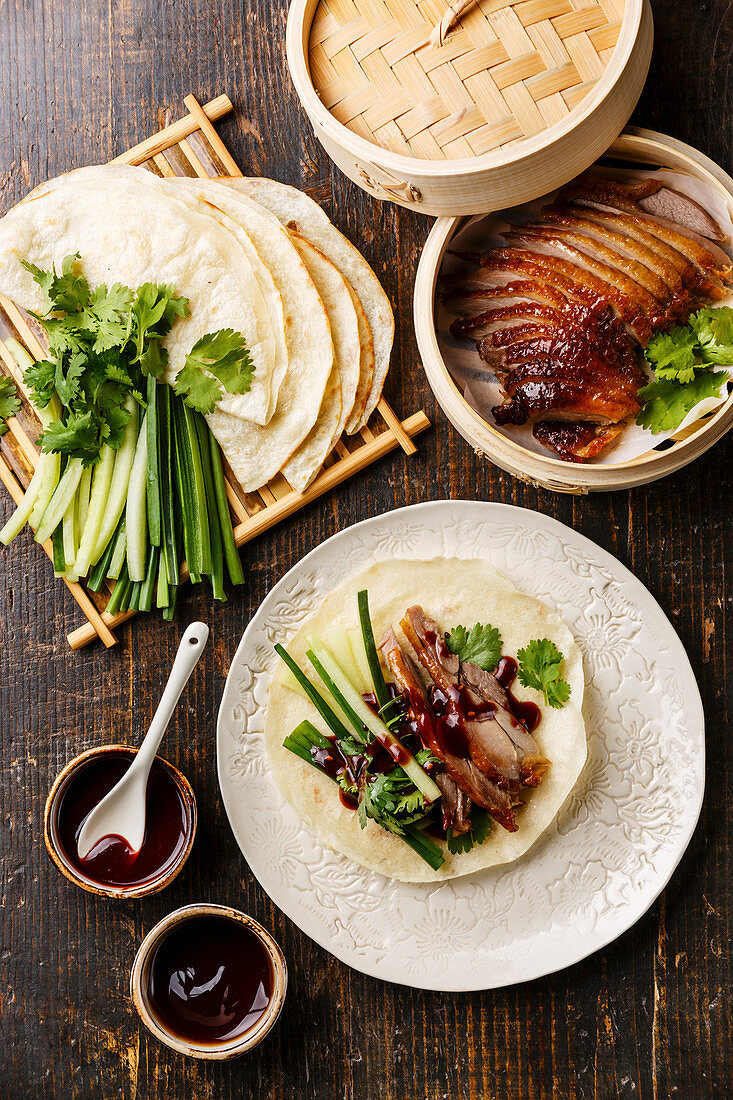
x: 503, y: 74
x: 188, y: 147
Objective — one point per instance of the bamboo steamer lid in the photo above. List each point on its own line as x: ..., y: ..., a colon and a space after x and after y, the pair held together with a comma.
x: 512, y: 100
x: 634, y: 146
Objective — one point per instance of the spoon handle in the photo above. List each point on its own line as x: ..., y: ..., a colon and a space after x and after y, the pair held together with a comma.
x: 189, y: 651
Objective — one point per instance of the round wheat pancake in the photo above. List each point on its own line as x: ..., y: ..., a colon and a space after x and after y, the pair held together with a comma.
x: 452, y: 592
x: 296, y: 210
x: 126, y: 229
x: 366, y: 366
x: 338, y: 300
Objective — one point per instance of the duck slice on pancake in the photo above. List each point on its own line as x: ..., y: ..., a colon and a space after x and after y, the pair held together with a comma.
x: 481, y: 722
x: 459, y: 767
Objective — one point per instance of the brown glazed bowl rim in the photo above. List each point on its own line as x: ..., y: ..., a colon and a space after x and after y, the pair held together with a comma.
x: 70, y: 872
x: 232, y: 1047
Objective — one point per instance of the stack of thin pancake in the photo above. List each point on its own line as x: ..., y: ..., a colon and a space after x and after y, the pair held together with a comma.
x: 251, y: 255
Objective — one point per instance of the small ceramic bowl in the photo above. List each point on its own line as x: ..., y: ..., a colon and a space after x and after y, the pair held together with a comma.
x: 72, y: 873
x: 140, y: 984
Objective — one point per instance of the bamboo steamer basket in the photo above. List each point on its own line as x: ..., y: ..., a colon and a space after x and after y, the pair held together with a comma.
x: 645, y: 148
x: 520, y: 97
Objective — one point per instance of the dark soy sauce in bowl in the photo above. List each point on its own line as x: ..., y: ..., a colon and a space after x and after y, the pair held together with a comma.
x: 210, y: 980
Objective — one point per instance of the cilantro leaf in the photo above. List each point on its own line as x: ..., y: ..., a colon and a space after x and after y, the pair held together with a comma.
x: 480, y: 829
x: 667, y: 403
x: 672, y: 354
x: 63, y: 334
x: 67, y: 376
x: 44, y: 279
x: 480, y: 644
x: 9, y: 402
x: 714, y: 331
x: 199, y: 390
x: 539, y: 668
x: 106, y: 316
x: 391, y: 800
x: 223, y: 354
x: 40, y: 380
x: 115, y: 419
x: 103, y: 342
x: 154, y: 359
x: 77, y: 436
x: 155, y: 308
x: 69, y: 291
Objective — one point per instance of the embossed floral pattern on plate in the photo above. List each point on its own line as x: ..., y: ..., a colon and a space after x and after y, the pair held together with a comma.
x: 616, y: 841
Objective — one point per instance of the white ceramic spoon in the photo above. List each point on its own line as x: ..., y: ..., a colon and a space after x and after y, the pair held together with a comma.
x: 122, y: 811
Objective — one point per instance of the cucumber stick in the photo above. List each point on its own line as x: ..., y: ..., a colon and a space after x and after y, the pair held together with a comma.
x: 365, y: 715
x: 95, y: 515
x: 68, y: 529
x: 364, y: 681
x: 136, y: 520
x: 83, y: 494
x: 50, y: 464
x: 45, y: 476
x: 63, y: 495
x: 337, y: 640
x: 115, y: 503
x: 326, y: 712
x: 119, y: 552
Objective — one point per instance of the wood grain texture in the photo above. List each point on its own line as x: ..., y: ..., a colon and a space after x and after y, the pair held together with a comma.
x: 650, y: 1016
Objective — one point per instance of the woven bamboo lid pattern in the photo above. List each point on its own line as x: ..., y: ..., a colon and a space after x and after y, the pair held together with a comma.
x: 503, y: 74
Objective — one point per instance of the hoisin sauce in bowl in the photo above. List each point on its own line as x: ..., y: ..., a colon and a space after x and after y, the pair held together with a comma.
x: 111, y: 868
x: 209, y: 981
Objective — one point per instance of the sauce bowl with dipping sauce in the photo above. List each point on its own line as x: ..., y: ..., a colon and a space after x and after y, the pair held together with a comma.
x: 209, y: 981
x: 111, y: 868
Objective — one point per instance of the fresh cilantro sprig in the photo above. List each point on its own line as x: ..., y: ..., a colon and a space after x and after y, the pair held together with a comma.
x: 9, y: 402
x: 539, y: 668
x: 104, y: 342
x: 481, y: 644
x: 681, y: 359
x: 392, y: 800
x: 223, y: 354
x: 477, y: 834
x: 667, y: 403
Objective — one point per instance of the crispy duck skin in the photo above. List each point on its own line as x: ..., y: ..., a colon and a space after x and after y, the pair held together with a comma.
x: 493, y: 747
x: 654, y: 197
x: 619, y: 263
x: 584, y: 284
x: 576, y: 442
x: 456, y: 805
x: 616, y: 281
x: 461, y: 769
x: 470, y: 297
x: 597, y: 252
x: 622, y: 243
x: 611, y: 195
x: 640, y: 229
x: 503, y: 317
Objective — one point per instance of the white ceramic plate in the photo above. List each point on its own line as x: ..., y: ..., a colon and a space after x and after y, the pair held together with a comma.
x: 614, y: 845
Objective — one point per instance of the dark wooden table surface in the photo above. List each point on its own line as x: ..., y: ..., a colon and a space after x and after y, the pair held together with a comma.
x: 650, y: 1016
